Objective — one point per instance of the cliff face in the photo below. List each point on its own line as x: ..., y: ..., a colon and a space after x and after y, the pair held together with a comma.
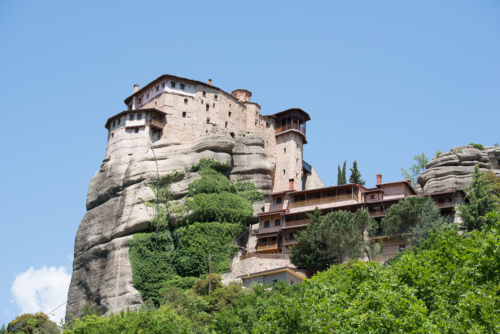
x: 452, y: 170
x: 115, y: 211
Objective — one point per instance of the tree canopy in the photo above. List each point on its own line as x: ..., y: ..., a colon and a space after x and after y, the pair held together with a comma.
x: 341, y: 177
x: 416, y: 169
x: 356, y: 175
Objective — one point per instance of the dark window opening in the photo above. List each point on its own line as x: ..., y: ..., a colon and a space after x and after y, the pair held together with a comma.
x: 214, y: 105
x: 226, y: 125
x: 279, y: 200
x: 232, y: 134
x: 284, y: 150
x: 204, y: 94
x: 215, y: 97
x: 172, y: 84
x: 267, y: 223
x: 268, y: 125
x: 112, y: 135
x: 402, y: 248
x: 139, y: 117
x: 255, y: 122
x: 183, y: 86
x: 229, y: 114
x: 284, y: 171
x: 162, y: 85
x: 147, y: 95
x: 208, y: 120
x: 139, y: 101
x: 131, y: 117
x: 185, y: 101
x: 372, y: 197
x: 136, y: 130
x: 184, y: 115
x: 277, y: 222
x: 207, y: 108
x: 118, y: 121
x: 113, y: 124
x: 157, y: 87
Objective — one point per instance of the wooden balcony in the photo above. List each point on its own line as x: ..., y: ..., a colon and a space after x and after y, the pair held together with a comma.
x: 156, y: 124
x: 266, y: 256
x: 291, y: 241
x: 135, y: 123
x: 298, y: 222
x: 269, y: 229
x: 446, y: 203
x: 323, y: 199
x: 286, y: 127
x: 267, y: 245
x: 377, y: 213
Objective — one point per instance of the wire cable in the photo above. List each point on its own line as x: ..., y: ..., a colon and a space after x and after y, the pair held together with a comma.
x: 56, y: 308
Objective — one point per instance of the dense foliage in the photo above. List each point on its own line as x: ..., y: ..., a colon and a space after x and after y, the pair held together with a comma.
x: 478, y: 146
x: 341, y: 176
x: 495, y: 182
x: 416, y: 169
x: 481, y: 201
x: 28, y: 323
x: 356, y: 175
x: 220, y: 208
x: 333, y: 238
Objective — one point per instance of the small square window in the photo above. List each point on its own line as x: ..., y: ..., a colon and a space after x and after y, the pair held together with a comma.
x: 207, y: 107
x: 372, y: 197
x: 172, y: 84
x: 139, y: 117
x: 131, y: 117
x: 184, y: 115
x: 204, y: 93
x: 136, y: 130
x: 268, y: 125
x: 229, y: 114
x: 226, y: 124
x: 215, y: 97
x: 185, y: 101
x: 183, y: 86
x: 402, y: 248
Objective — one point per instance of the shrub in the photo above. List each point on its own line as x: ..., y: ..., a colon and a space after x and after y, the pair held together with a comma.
x: 28, y: 323
x: 201, y: 285
x: 478, y: 146
x: 439, y: 152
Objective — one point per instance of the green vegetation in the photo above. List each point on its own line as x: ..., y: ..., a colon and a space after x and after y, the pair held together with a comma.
x: 27, y: 323
x: 413, y: 220
x: 356, y: 175
x: 496, y: 145
x: 333, y: 238
x: 416, y: 169
x: 220, y: 208
x: 478, y: 146
x: 3, y: 330
x: 481, y: 201
x: 494, y: 180
x: 439, y: 152
x: 341, y: 176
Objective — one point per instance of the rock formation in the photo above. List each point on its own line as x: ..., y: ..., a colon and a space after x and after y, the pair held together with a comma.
x: 115, y: 211
x: 452, y: 170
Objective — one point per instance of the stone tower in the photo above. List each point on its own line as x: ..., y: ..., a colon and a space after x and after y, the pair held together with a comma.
x: 290, y: 132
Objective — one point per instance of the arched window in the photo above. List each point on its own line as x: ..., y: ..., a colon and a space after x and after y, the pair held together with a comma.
x: 267, y: 223
x: 277, y: 222
x: 279, y: 200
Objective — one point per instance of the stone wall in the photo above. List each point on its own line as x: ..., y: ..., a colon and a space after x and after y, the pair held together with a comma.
x: 312, y: 180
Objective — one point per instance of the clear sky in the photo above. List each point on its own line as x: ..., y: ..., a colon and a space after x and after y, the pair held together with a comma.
x: 382, y: 81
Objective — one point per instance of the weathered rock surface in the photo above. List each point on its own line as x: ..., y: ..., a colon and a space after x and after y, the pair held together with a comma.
x: 115, y: 211
x: 452, y: 170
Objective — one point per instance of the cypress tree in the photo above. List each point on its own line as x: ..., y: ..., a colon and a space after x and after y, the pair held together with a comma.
x: 339, y: 177
x: 356, y: 175
x: 344, y: 178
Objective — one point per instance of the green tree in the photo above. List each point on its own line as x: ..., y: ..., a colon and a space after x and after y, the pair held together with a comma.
x: 201, y: 285
x: 356, y: 175
x: 496, y: 145
x: 494, y: 180
x: 416, y: 169
x: 334, y: 238
x: 478, y: 146
x: 3, y: 330
x: 439, y: 152
x: 413, y: 220
x: 89, y: 309
x: 32, y: 324
x: 481, y: 201
x: 341, y: 178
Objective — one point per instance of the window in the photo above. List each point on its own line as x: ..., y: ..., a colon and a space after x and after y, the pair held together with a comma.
x: 268, y: 125
x: 185, y: 101
x: 279, y: 200
x: 284, y: 171
x: 297, y: 160
x: 136, y: 130
x: 118, y: 121
x: 139, y: 101
x: 215, y: 97
x: 232, y: 134
x: 201, y: 101
x: 183, y: 86
x: 274, y: 282
x: 208, y: 120
x: 112, y: 135
x: 255, y: 122
x: 229, y: 114
x: 214, y: 105
x: 207, y: 108
x: 284, y: 150
x: 291, y: 282
x: 372, y: 197
x: 157, y: 87
x: 204, y: 93
x: 139, y: 117
x: 402, y: 248
x: 277, y: 222
x: 113, y: 124
x: 267, y: 223
x: 297, y: 145
x: 184, y: 115
x: 172, y: 84
x: 131, y: 117
x: 162, y: 85
x: 147, y: 96
x: 226, y: 125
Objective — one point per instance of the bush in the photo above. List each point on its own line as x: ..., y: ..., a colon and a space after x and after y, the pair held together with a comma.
x: 201, y: 285
x: 478, y: 146
x: 28, y: 323
x: 183, y: 283
x: 439, y: 152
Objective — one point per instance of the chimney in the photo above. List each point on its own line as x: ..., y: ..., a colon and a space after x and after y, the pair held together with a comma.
x: 136, y: 88
x: 379, y: 178
x: 210, y: 82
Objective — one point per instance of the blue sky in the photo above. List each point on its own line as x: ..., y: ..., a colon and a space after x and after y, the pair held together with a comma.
x: 382, y: 81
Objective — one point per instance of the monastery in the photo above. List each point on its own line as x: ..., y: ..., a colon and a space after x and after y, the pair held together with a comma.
x: 180, y: 109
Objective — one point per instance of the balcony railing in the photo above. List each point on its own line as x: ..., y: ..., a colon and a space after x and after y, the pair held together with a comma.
x: 277, y: 207
x: 269, y: 229
x: 323, y: 199
x: 135, y: 123
x: 287, y: 127
x: 156, y: 123
x: 298, y: 222
x: 266, y: 256
x: 267, y: 245
x: 447, y: 203
x: 377, y: 213
x: 290, y: 240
